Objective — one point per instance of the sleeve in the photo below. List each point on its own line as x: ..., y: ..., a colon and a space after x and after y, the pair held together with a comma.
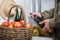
x: 55, y: 22
x: 48, y: 14
x: 52, y: 22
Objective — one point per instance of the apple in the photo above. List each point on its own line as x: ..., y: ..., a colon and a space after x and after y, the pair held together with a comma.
x: 28, y: 25
x: 6, y: 24
x: 18, y: 25
x: 22, y: 21
x: 11, y: 24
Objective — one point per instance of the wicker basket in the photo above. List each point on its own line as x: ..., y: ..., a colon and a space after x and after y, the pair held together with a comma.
x: 15, y: 33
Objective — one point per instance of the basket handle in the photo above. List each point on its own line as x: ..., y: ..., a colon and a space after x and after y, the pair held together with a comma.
x: 17, y: 6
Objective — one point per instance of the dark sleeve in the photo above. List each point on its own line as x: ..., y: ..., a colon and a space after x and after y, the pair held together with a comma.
x: 48, y: 14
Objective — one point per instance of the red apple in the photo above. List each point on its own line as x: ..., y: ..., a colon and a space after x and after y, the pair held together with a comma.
x: 22, y: 21
x: 18, y: 25
x: 6, y: 24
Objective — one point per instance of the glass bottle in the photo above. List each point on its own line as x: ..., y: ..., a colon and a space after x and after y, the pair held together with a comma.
x: 17, y: 15
x: 37, y: 20
x: 21, y: 15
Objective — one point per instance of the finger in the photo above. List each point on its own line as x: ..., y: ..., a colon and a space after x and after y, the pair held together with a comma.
x: 42, y: 22
x: 32, y: 14
x: 38, y: 14
x: 47, y: 25
x: 44, y: 29
x: 32, y: 17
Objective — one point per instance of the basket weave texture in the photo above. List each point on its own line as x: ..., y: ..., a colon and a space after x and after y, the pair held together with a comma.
x: 15, y: 33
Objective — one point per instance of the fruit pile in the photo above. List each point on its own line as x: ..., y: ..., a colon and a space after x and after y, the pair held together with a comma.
x: 16, y: 24
x: 37, y: 31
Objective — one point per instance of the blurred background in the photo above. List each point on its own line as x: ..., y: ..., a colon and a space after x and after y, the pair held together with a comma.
x: 34, y: 5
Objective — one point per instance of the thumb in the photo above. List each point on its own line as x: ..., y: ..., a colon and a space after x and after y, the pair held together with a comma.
x: 42, y: 22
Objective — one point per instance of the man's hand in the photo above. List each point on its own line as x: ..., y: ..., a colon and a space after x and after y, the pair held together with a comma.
x: 46, y: 24
x: 34, y: 13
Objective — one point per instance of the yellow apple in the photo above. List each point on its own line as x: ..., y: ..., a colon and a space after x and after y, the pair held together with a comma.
x: 11, y: 26
x: 28, y: 25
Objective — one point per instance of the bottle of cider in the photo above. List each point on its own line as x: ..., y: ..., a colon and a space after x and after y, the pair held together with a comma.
x: 21, y: 15
x: 17, y: 15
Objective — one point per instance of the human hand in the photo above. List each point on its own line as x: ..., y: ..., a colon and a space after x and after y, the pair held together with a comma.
x: 34, y: 13
x: 46, y: 24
